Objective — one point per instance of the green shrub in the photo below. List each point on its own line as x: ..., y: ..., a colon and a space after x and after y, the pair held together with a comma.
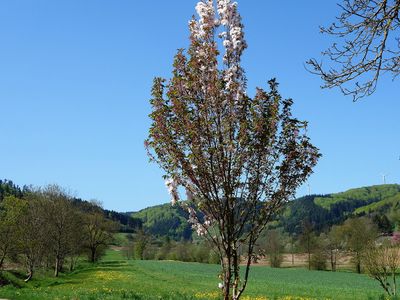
x: 318, y: 260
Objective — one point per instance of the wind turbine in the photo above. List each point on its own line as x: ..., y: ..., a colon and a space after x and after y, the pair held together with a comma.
x: 384, y: 177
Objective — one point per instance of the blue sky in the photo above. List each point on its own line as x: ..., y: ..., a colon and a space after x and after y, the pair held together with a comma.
x: 75, y: 80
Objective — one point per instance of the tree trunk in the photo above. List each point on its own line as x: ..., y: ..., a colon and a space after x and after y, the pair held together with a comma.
x: 93, y: 255
x: 236, y: 280
x: 358, y: 267
x: 30, y: 274
x: 2, y: 260
x: 227, y: 283
x: 57, y: 267
x: 72, y: 263
x: 333, y: 260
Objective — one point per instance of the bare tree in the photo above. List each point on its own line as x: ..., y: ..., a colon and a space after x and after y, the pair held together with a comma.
x: 367, y: 45
x: 382, y: 264
x: 239, y: 158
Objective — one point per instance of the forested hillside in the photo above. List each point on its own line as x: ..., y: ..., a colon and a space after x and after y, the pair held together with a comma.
x: 379, y: 202
x: 165, y: 220
x: 127, y: 223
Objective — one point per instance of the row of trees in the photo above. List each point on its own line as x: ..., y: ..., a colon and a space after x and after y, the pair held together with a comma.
x: 142, y: 246
x: 352, y: 238
x: 46, y: 228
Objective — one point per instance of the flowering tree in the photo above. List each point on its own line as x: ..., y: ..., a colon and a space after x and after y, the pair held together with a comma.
x: 238, y: 158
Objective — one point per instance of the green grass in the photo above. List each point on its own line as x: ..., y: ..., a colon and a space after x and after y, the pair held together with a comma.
x: 116, y: 278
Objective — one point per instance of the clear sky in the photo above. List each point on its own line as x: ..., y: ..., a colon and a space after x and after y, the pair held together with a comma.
x: 75, y: 80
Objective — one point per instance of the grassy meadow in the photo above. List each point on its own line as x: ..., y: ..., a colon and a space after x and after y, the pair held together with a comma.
x: 116, y: 278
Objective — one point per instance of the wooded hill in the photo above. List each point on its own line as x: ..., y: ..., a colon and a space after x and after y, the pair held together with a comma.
x: 127, y: 222
x: 380, y: 202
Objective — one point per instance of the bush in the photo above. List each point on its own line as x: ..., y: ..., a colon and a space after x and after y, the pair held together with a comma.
x: 318, y: 260
x: 213, y: 258
x: 275, y: 260
x: 11, y: 278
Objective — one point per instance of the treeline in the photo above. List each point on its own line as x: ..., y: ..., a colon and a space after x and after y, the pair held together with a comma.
x: 127, y: 222
x: 144, y: 246
x: 353, y: 239
x: 47, y: 228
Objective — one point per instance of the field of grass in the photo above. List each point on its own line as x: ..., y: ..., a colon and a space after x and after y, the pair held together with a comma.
x: 116, y: 278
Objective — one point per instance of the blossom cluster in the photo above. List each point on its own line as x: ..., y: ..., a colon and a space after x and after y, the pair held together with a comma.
x: 172, y: 187
x: 232, y: 38
x: 200, y: 228
x: 230, y: 18
x: 205, y: 10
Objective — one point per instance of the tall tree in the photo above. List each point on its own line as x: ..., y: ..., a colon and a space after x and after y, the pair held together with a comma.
x: 334, y: 243
x: 11, y: 210
x: 239, y: 158
x: 33, y: 232
x: 63, y: 220
x: 308, y: 240
x: 366, y: 46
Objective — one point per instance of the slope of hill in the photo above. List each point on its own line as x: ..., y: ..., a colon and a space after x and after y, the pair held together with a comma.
x: 360, y: 196
x: 322, y: 211
x: 165, y: 220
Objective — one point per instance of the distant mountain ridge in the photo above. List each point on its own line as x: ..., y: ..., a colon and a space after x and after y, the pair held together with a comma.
x: 322, y: 211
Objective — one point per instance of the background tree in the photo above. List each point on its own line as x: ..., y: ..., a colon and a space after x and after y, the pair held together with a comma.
x: 239, y: 158
x: 274, y: 248
x: 33, y: 233
x: 367, y: 45
x: 318, y: 257
x: 76, y: 239
x: 308, y: 240
x: 358, y: 235
x: 140, y: 242
x: 382, y: 264
x: 334, y: 244
x: 98, y: 233
x: 62, y: 219
x: 11, y: 210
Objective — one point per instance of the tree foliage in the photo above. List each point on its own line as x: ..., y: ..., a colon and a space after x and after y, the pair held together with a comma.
x: 239, y: 158
x: 358, y: 234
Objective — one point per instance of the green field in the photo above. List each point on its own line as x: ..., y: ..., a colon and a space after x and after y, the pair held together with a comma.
x: 116, y: 278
